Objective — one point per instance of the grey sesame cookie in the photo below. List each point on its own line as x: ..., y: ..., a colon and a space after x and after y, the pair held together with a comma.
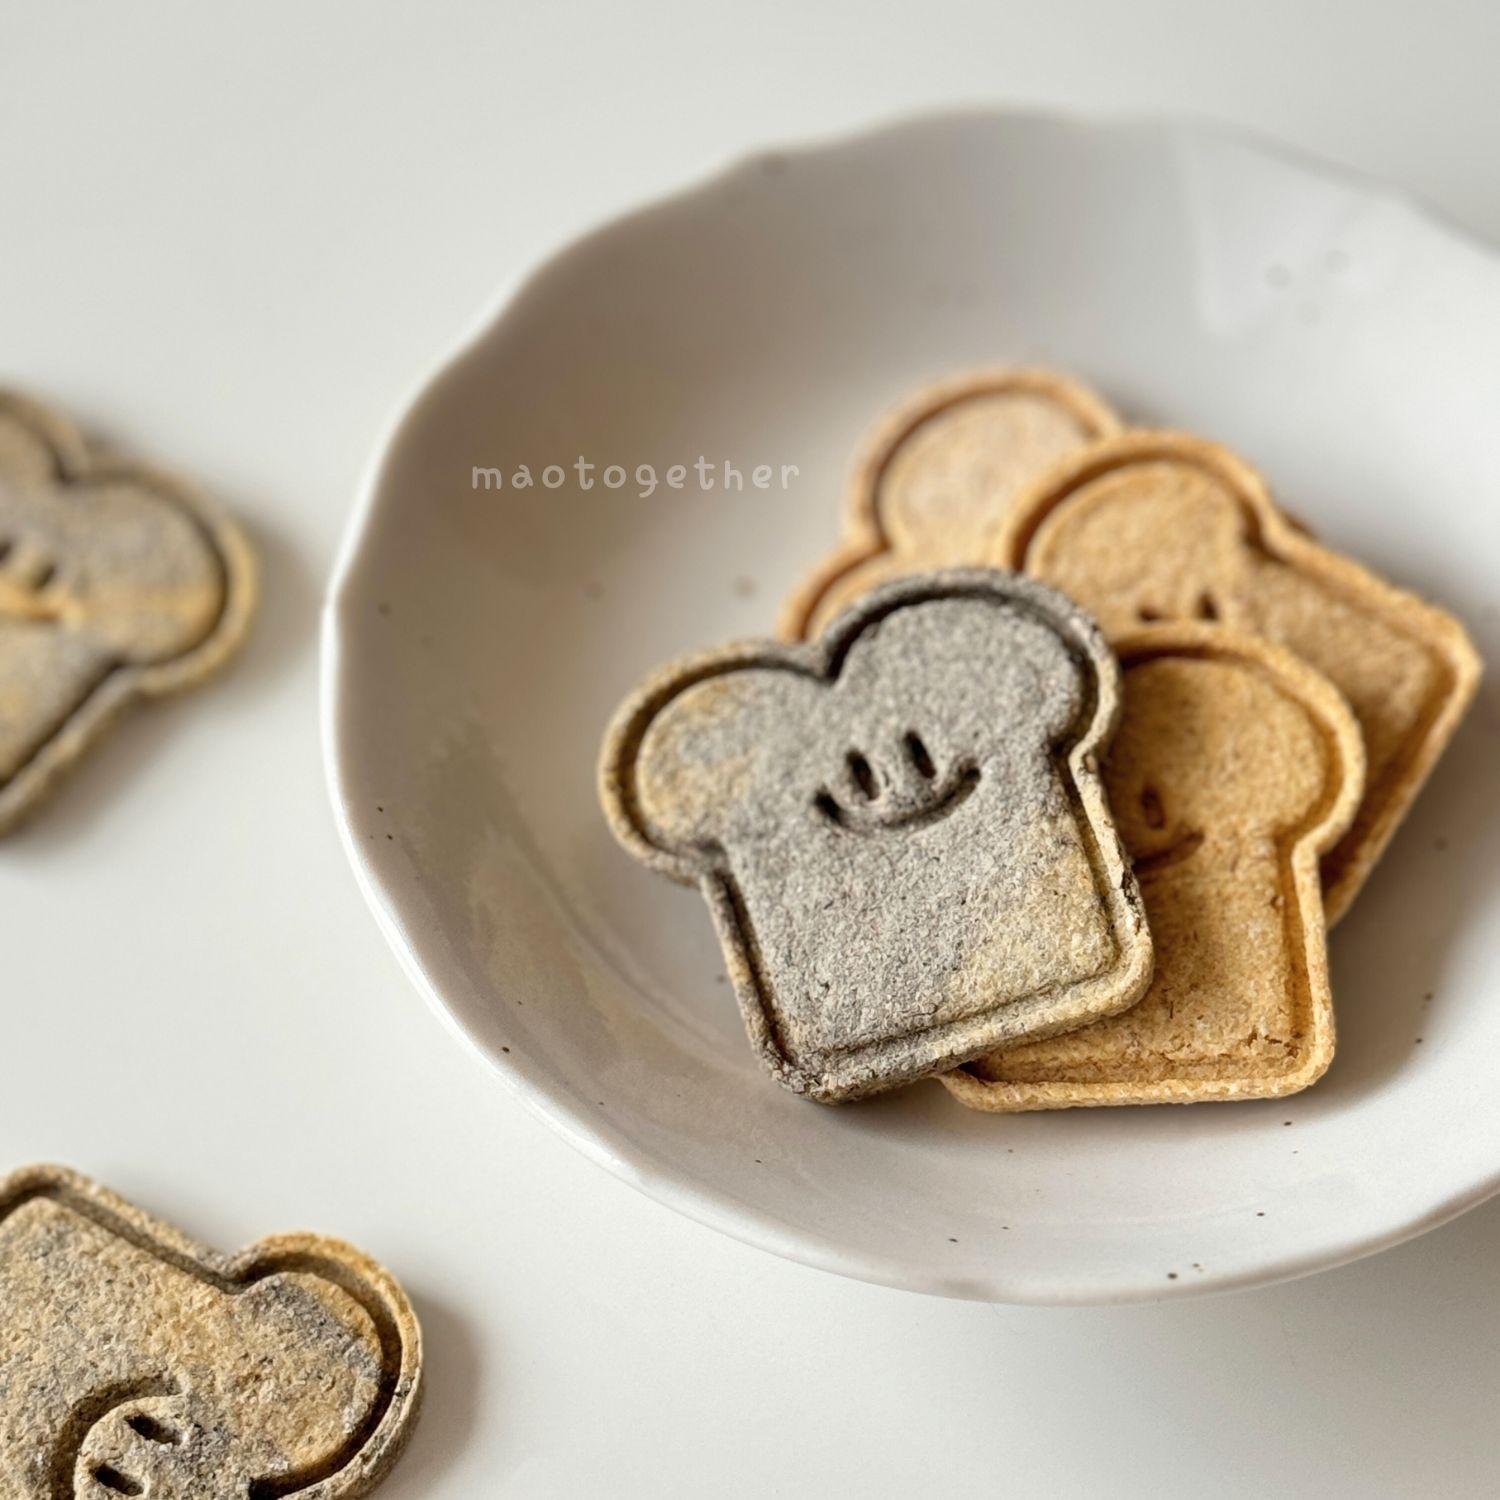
x: 136, y: 1362
x: 899, y: 828
x: 116, y: 582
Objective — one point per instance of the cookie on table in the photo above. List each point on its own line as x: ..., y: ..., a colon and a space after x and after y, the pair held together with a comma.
x: 1161, y: 526
x: 136, y: 1362
x: 116, y: 583
x: 899, y: 828
x: 1236, y: 766
x: 937, y: 475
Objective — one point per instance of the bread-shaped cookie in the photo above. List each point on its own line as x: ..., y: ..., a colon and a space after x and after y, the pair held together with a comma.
x: 1235, y: 767
x: 1161, y: 526
x: 135, y: 1362
x: 899, y: 828
x: 936, y: 476
x: 116, y: 582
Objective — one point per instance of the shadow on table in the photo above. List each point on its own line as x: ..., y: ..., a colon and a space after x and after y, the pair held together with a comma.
x: 1379, y: 1378
x: 457, y: 1395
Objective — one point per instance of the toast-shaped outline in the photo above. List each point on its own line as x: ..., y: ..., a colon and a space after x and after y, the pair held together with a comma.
x: 76, y: 468
x: 865, y: 535
x: 900, y: 1060
x: 372, y: 1449
x: 1299, y: 850
x: 1388, y: 797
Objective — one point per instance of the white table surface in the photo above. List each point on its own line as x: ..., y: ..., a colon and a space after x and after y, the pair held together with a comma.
x: 233, y: 241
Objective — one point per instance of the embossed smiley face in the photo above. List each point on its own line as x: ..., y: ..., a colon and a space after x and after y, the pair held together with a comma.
x: 1152, y: 542
x: 1234, y: 766
x: 1165, y: 527
x: 1213, y: 758
x: 106, y: 560
x: 902, y: 849
x: 135, y: 1363
x: 259, y: 1388
x: 115, y: 582
x: 930, y: 704
x: 904, y: 789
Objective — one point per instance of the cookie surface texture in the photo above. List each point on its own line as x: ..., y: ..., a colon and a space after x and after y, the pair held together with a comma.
x: 135, y: 1362
x: 116, y: 582
x: 1234, y: 767
x: 899, y: 828
x: 1160, y: 526
x: 936, y: 477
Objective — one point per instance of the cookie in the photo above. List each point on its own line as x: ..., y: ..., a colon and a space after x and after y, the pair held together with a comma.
x: 1235, y: 767
x: 135, y: 1362
x: 937, y: 476
x: 116, y: 583
x: 1160, y: 526
x: 899, y: 828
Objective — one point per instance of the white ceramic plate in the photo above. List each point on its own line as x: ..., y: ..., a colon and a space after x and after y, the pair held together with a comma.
x: 476, y: 642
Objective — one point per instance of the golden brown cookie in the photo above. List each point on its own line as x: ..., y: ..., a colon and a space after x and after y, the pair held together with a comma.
x: 136, y: 1362
x: 116, y: 583
x: 1161, y: 526
x: 1235, y: 767
x: 899, y: 827
x: 937, y: 475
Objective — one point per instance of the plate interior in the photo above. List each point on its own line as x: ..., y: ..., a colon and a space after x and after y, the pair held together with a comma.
x: 478, y: 640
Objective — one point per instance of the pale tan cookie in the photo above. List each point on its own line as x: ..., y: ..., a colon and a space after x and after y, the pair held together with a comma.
x: 899, y: 828
x: 136, y: 1362
x: 1235, y: 766
x: 116, y: 582
x: 936, y: 476
x: 1161, y: 526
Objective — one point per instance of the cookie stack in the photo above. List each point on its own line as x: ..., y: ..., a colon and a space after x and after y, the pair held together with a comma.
x: 1064, y: 763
